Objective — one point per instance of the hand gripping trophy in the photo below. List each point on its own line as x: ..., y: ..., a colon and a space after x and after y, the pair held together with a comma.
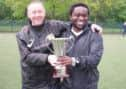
x: 59, y: 50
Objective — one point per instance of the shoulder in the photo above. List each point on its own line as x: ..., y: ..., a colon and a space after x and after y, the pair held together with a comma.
x: 96, y: 36
x: 24, y: 31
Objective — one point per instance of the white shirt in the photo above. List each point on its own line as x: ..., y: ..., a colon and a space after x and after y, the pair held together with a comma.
x: 76, y: 33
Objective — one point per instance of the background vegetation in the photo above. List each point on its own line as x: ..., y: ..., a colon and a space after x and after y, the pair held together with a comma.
x: 101, y: 10
x: 107, y: 13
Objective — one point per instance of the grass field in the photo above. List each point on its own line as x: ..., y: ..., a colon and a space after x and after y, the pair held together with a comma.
x: 112, y: 66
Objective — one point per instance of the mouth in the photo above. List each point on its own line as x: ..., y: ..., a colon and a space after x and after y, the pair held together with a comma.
x: 80, y: 24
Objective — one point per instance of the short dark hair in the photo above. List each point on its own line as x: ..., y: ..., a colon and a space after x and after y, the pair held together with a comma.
x: 77, y: 5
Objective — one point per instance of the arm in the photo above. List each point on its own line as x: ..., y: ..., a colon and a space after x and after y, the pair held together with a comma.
x: 31, y: 58
x: 95, y: 53
x: 60, y: 27
x: 89, y: 61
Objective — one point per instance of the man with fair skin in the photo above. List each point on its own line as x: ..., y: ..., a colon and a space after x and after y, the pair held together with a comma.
x: 34, y: 48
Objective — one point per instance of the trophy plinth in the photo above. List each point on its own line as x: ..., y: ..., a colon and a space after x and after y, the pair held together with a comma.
x: 60, y: 72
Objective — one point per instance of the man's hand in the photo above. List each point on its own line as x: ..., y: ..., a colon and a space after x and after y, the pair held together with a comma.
x: 96, y: 28
x: 52, y: 59
x: 65, y: 60
x: 61, y: 60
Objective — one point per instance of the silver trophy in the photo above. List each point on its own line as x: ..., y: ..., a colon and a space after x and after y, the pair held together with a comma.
x: 59, y: 50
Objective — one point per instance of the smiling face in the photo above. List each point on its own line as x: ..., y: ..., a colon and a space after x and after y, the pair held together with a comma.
x: 36, y: 13
x: 79, y: 17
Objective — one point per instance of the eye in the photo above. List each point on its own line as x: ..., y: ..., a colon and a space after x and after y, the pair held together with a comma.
x: 84, y: 15
x: 33, y: 12
x: 39, y: 11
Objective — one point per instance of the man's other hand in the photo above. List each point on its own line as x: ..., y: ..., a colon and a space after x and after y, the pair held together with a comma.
x: 96, y: 28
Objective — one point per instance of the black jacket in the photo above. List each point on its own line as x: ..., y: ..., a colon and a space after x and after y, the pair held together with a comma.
x: 87, y: 49
x: 34, y: 50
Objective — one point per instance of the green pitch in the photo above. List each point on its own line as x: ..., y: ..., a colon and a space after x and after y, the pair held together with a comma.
x: 112, y: 66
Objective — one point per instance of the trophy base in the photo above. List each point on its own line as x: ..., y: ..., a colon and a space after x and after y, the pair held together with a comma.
x: 60, y: 72
x: 60, y: 76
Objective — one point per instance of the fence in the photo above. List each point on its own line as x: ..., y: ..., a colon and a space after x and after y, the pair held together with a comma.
x: 111, y: 27
x: 11, y: 25
x: 15, y: 25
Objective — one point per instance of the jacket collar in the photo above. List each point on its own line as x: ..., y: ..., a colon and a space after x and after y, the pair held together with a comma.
x: 85, y: 29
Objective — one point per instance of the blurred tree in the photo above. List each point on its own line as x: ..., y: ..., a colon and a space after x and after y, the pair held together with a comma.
x: 18, y: 7
x: 101, y: 10
x: 5, y: 12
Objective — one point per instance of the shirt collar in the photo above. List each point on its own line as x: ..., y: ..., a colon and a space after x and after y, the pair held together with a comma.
x: 76, y: 33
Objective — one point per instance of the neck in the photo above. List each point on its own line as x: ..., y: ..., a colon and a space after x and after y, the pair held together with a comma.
x: 76, y: 29
x: 38, y: 27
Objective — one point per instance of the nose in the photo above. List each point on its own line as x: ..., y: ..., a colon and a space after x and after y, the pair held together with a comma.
x: 81, y: 18
x: 36, y: 14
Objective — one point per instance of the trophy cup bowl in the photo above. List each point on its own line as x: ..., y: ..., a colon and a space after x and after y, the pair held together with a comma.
x: 59, y: 50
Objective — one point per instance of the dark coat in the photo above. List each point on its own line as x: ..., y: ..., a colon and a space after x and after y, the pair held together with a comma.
x: 34, y: 50
x: 87, y: 48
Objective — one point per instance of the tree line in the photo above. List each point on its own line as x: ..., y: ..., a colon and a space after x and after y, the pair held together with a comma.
x: 100, y: 10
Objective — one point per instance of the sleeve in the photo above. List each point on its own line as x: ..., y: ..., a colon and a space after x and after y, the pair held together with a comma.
x: 95, y: 53
x: 60, y: 27
x: 89, y: 24
x: 31, y: 58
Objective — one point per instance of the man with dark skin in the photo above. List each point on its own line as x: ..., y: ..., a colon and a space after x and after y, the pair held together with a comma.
x: 85, y: 50
x: 36, y: 57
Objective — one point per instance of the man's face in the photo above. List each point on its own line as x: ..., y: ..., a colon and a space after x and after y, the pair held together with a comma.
x: 79, y: 17
x: 36, y: 13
